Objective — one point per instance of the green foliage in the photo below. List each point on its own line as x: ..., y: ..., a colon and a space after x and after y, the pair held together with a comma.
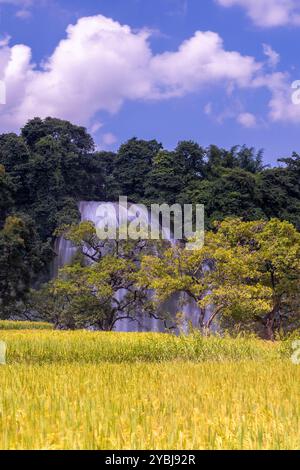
x: 52, y: 165
x: 253, y: 275
x: 6, y: 194
x: 20, y: 261
x: 133, y: 165
x: 43, y: 174
x: 97, y: 294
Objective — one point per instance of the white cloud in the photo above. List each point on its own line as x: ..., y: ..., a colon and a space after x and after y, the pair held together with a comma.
x: 201, y: 61
x: 247, y: 120
x: 268, y: 13
x: 95, y: 68
x: 273, y: 56
x: 102, y: 63
x: 96, y: 127
x: 281, y: 106
x: 4, y: 41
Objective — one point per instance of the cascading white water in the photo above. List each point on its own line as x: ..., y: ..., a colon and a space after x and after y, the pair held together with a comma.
x: 88, y: 211
x: 66, y: 252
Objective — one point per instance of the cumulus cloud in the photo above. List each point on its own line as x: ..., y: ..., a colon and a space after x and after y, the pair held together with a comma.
x: 200, y: 61
x: 268, y: 13
x: 281, y: 105
x: 247, y: 120
x: 102, y: 63
x: 95, y: 68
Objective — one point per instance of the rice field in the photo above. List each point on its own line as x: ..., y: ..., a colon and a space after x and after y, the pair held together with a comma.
x: 84, y: 347
x: 85, y: 390
x: 24, y: 325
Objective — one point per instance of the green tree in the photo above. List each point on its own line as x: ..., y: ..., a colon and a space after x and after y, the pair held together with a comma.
x: 133, y: 165
x: 99, y: 288
x: 166, y: 179
x: 233, y: 193
x: 279, y: 191
x: 20, y: 261
x: 6, y: 194
x: 253, y: 275
x: 14, y: 156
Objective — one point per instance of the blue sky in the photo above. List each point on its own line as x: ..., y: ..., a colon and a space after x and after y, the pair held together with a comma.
x: 139, y: 68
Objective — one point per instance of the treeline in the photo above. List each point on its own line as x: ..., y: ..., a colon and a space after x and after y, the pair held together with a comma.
x: 53, y: 164
x: 246, y: 277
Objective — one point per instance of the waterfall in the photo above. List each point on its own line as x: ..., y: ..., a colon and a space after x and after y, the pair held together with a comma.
x: 66, y: 252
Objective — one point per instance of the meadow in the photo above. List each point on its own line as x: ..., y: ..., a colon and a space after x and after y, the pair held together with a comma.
x: 88, y: 390
x: 24, y: 325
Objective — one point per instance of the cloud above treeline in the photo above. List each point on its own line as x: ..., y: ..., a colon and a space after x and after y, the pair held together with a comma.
x: 101, y: 64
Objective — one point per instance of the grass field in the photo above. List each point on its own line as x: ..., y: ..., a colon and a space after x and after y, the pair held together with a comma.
x: 24, y: 325
x: 84, y: 390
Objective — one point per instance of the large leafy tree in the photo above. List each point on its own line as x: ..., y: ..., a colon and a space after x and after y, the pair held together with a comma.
x: 248, y: 272
x: 14, y: 156
x: 98, y: 295
x: 173, y: 172
x: 233, y: 193
x: 133, y: 165
x: 52, y: 165
x: 99, y: 288
x: 6, y: 194
x: 166, y: 179
x: 20, y: 261
x: 279, y: 190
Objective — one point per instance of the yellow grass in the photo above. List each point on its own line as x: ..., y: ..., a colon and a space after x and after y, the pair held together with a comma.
x: 21, y: 325
x: 62, y: 390
x: 40, y: 347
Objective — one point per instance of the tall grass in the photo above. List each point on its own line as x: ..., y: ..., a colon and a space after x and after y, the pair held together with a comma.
x: 171, y: 405
x: 92, y: 390
x: 24, y: 325
x: 40, y: 347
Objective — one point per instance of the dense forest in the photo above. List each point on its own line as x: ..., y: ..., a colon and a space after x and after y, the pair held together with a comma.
x: 53, y: 164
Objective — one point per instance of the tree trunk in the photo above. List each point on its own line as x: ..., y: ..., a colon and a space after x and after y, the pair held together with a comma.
x: 201, y: 317
x: 270, y: 323
x: 270, y: 335
x: 208, y: 324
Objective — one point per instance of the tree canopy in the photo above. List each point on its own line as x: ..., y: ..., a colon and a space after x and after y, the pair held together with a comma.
x: 248, y: 271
